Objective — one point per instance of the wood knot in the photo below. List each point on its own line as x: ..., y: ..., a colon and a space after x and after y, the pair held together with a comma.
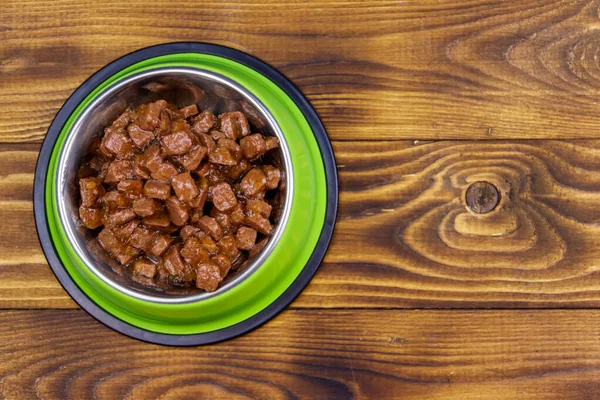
x: 482, y: 197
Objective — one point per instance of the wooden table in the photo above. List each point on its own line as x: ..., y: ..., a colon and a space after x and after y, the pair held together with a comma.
x: 418, y: 297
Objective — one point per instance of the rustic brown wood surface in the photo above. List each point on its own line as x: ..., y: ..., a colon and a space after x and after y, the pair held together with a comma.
x: 406, y: 354
x: 422, y: 99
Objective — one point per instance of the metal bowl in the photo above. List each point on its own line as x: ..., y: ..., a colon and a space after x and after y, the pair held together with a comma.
x: 182, y: 87
x: 220, y: 79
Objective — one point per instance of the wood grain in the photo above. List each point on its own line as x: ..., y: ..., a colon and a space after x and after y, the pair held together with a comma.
x: 394, y: 83
x: 25, y: 278
x: 312, y: 354
x: 404, y: 201
x: 466, y: 69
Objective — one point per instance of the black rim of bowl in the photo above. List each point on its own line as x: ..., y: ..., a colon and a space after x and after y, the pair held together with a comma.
x: 257, y: 319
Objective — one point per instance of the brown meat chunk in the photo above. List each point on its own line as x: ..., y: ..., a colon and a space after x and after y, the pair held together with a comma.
x: 187, y: 231
x: 141, y: 238
x: 177, y: 143
x: 200, y: 199
x: 208, y: 142
x: 273, y: 176
x: 112, y: 128
x: 131, y: 188
x: 117, y: 143
x: 207, y: 242
x: 123, y: 120
x: 222, y: 155
x: 144, y: 267
x: 165, y: 172
x: 160, y: 243
x: 231, y: 145
x: 196, y: 214
x: 223, y: 197
x: 237, y: 215
x: 192, y: 160
x: 208, y: 277
x: 145, y: 206
x: 203, y: 122
x: 211, y: 172
x: 108, y: 240
x: 173, y: 112
x: 234, y: 125
x: 125, y: 231
x: 271, y: 142
x: 159, y: 220
x: 245, y: 238
x: 162, y: 275
x: 90, y: 216
x: 253, y: 146
x: 222, y: 219
x: 118, y: 171
x: 148, y: 115
x: 140, y: 171
x: 194, y: 252
x: 181, y: 125
x: 126, y: 254
x: 164, y: 126
x: 254, y: 183
x: 228, y: 247
x: 91, y: 190
x: 259, y: 207
x: 223, y: 262
x: 189, y: 274
x: 118, y: 217
x: 104, y: 153
x: 216, y: 135
x: 117, y: 249
x: 177, y: 211
x: 211, y: 227
x: 173, y: 262
x: 114, y: 199
x: 259, y: 223
x: 139, y: 136
x: 103, y: 171
x: 184, y: 187
x: 235, y: 171
x: 188, y: 111
x: 152, y: 158
x: 157, y: 189
x: 95, y: 163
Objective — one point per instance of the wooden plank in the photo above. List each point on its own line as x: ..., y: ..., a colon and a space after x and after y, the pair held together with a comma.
x: 17, y: 166
x: 467, y: 69
x: 404, y: 236
x: 26, y: 281
x: 310, y: 354
x: 405, y: 231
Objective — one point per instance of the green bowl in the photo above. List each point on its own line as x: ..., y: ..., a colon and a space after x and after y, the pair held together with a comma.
x: 282, y: 272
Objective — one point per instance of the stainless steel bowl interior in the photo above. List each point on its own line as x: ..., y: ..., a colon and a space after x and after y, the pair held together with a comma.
x: 180, y: 86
